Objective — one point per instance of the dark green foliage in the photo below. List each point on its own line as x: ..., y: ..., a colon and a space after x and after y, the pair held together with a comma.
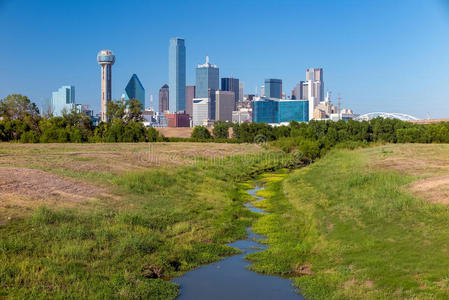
x: 201, y: 132
x: 221, y: 130
x: 124, y: 124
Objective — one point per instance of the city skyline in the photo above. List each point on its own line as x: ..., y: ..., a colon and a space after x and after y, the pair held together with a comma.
x: 388, y: 70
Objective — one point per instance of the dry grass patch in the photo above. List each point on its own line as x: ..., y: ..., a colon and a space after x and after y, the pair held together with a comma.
x: 428, y: 162
x: 115, y: 158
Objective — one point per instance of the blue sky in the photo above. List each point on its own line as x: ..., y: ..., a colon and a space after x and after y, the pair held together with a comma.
x: 380, y: 55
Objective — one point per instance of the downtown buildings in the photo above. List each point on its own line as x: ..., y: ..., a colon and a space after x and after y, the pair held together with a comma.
x: 63, y: 100
x: 277, y: 111
x: 207, y: 78
x: 177, y: 74
x: 134, y: 90
x: 164, y: 94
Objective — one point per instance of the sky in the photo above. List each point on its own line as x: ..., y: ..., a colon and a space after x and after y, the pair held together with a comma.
x: 379, y: 55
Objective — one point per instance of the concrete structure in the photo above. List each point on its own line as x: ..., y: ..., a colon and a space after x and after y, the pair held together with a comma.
x: 163, y: 98
x: 105, y: 59
x: 178, y: 120
x: 231, y: 85
x: 201, y: 111
x: 224, y: 105
x: 316, y: 82
x: 190, y: 95
x: 277, y: 111
x: 241, y: 90
x: 273, y: 88
x: 62, y: 100
x: 242, y: 115
x: 134, y: 90
x: 207, y: 77
x: 177, y: 74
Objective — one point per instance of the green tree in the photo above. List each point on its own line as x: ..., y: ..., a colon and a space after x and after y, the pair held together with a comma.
x: 116, y: 110
x: 201, y: 132
x: 221, y: 130
x: 16, y: 107
x: 134, y: 111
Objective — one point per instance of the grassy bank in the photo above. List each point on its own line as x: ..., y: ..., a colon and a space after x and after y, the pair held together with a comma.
x: 143, y: 228
x: 361, y: 225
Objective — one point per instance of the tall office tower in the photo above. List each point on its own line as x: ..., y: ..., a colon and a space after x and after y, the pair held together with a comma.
x: 212, y: 103
x: 296, y: 92
x: 231, y: 85
x: 273, y: 88
x: 301, y: 91
x: 241, y: 88
x: 224, y: 105
x: 62, y: 99
x: 316, y: 76
x: 134, y: 90
x: 190, y: 94
x: 207, y: 77
x: 163, y: 98
x: 177, y: 74
x: 105, y: 59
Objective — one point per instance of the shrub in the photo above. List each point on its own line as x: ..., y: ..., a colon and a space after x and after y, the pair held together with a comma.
x: 200, y: 132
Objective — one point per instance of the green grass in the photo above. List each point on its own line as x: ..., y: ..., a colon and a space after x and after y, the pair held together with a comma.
x: 357, y: 229
x: 165, y: 223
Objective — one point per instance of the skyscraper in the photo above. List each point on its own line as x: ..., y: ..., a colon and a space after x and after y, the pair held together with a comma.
x: 316, y: 77
x: 134, y: 90
x: 105, y: 59
x: 163, y: 98
x: 224, y: 105
x: 207, y: 77
x: 231, y: 85
x: 62, y: 99
x: 177, y: 74
x: 190, y: 95
x: 241, y: 88
x: 273, y: 88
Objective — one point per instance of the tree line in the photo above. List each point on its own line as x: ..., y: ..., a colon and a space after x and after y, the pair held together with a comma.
x: 21, y: 121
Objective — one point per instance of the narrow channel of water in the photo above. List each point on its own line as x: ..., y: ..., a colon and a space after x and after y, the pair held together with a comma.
x: 230, y: 277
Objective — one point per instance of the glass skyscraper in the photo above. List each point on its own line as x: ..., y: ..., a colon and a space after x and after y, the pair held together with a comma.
x: 177, y: 74
x: 134, y: 90
x: 231, y: 85
x: 273, y: 88
x: 280, y: 111
x: 64, y: 98
x: 207, y: 77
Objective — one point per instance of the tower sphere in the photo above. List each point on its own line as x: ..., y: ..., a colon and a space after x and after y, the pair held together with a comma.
x: 106, y: 57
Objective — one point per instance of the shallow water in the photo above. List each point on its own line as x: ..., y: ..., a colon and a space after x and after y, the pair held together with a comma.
x: 230, y: 277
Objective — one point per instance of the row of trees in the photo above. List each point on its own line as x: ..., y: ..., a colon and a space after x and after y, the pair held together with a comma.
x: 21, y: 121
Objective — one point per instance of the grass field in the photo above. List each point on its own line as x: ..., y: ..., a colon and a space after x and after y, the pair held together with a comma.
x: 363, y: 224
x: 110, y: 221
x: 117, y: 221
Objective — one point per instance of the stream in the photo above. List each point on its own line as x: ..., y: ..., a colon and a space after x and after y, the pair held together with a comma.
x: 230, y: 278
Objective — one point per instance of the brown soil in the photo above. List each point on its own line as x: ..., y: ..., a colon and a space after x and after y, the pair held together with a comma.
x: 424, y: 160
x: 434, y: 189
x: 22, y: 187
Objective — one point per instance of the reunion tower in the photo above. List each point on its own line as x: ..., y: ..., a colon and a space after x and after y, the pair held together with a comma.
x: 105, y: 59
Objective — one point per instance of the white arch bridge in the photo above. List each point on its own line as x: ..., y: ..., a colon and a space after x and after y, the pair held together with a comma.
x: 385, y: 115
